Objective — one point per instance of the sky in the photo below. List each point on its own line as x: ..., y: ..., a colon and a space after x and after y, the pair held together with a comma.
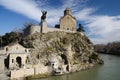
x: 100, y: 18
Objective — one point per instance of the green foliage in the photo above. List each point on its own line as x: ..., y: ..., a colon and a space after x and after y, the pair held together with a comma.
x: 10, y: 37
x: 49, y: 48
x: 110, y: 48
x: 75, y: 62
x: 93, y: 56
x: 38, y: 76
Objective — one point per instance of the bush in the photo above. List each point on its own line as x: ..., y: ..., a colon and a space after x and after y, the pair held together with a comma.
x: 93, y: 56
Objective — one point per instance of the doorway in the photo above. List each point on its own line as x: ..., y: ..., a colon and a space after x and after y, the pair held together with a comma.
x: 19, y: 61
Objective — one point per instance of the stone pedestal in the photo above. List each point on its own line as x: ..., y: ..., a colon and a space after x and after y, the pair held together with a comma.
x: 43, y: 27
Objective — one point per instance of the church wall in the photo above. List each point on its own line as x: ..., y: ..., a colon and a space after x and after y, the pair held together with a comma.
x: 68, y: 23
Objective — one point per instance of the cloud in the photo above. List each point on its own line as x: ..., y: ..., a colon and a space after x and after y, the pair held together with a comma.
x: 32, y: 8
x: 108, y: 27
x: 102, y: 28
x: 25, y: 7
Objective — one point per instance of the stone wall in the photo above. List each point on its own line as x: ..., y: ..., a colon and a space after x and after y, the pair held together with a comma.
x: 1, y: 64
x: 44, y: 28
x: 22, y: 73
x: 32, y: 71
x: 2, y: 52
x: 56, y: 29
x: 34, y: 29
x: 31, y: 30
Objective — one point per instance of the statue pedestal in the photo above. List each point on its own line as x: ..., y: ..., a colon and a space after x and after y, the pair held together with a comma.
x: 43, y: 27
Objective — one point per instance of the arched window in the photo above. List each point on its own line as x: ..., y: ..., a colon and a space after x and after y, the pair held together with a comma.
x: 19, y: 61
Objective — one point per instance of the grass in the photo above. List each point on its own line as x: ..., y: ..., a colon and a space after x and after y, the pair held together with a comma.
x: 50, y: 48
x: 38, y: 76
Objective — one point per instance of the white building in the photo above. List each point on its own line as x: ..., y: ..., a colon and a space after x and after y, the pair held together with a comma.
x: 16, y: 55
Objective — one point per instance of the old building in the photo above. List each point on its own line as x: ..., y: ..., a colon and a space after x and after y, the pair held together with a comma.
x: 16, y: 55
x: 31, y: 29
x: 68, y: 22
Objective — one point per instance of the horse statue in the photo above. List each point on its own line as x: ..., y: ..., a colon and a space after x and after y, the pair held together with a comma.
x: 43, y: 17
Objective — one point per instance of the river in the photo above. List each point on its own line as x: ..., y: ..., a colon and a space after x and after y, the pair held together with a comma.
x: 109, y: 71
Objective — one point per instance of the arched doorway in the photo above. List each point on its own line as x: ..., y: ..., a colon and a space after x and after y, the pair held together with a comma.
x: 19, y: 61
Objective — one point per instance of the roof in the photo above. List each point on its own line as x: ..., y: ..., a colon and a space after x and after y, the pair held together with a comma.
x: 69, y: 15
x: 68, y: 9
x: 13, y: 43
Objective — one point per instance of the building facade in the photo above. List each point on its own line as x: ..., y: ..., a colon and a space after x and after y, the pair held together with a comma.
x: 17, y: 56
x: 68, y: 22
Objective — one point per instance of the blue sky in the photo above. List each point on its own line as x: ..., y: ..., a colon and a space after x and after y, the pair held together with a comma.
x: 100, y: 18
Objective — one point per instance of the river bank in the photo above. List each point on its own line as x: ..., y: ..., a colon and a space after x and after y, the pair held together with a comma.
x: 110, y: 53
x: 109, y: 71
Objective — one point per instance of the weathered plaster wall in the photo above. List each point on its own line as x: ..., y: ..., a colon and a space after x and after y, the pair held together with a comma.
x: 17, y: 48
x: 34, y: 29
x: 55, y: 29
x: 13, y: 61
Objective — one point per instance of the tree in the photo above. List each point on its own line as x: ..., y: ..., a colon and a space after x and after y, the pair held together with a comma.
x: 0, y: 41
x: 10, y: 37
x: 81, y: 28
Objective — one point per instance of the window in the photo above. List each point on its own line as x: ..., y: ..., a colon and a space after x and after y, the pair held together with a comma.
x: 6, y: 49
x: 12, y: 60
x: 25, y: 50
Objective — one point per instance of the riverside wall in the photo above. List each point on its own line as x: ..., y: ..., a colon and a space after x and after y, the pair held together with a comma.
x: 31, y: 71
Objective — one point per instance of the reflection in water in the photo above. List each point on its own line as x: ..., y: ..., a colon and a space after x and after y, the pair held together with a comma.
x: 109, y: 71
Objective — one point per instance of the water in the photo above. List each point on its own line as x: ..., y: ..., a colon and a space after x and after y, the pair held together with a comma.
x: 109, y: 71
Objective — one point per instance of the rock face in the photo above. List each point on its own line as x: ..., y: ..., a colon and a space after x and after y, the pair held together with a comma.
x: 64, y: 52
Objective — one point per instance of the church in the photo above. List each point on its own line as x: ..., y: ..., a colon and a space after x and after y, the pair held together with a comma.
x: 67, y: 24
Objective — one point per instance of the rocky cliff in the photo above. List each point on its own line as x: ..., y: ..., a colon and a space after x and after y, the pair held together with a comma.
x: 63, y: 52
